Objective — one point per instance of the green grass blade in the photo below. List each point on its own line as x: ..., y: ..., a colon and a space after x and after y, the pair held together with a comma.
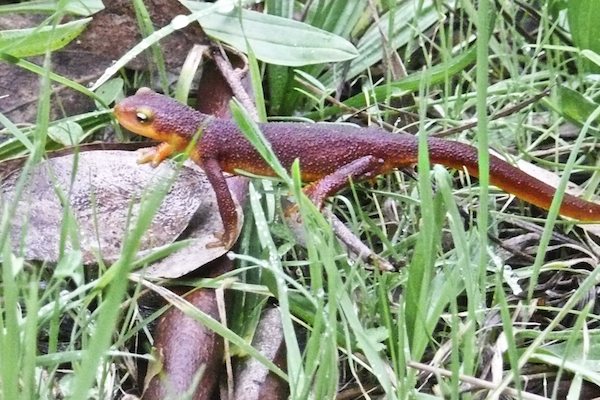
x: 146, y: 28
x: 82, y: 8
x: 436, y: 74
x: 410, y: 18
x: 482, y: 65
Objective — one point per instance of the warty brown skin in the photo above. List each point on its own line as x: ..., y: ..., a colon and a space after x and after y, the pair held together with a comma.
x: 329, y: 154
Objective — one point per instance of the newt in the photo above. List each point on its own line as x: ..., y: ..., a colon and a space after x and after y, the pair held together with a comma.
x: 330, y: 155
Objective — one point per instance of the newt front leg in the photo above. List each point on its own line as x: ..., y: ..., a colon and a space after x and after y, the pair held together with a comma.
x: 156, y: 155
x: 225, y: 202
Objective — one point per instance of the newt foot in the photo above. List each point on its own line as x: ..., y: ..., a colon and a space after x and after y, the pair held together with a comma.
x: 223, y: 240
x: 146, y: 156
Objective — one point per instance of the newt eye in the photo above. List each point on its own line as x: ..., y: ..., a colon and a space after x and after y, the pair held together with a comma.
x: 143, y: 117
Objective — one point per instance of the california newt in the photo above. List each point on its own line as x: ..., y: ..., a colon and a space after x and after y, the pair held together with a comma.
x: 329, y: 155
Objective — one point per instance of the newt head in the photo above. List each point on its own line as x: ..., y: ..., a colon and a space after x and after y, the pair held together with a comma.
x: 158, y: 117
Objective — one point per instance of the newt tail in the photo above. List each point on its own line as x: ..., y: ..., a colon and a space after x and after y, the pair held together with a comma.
x: 512, y: 180
x: 329, y: 154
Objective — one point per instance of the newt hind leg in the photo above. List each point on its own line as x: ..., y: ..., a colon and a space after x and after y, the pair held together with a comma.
x: 359, y: 169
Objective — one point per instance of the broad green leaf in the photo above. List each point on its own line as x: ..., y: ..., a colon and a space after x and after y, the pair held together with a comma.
x: 592, y: 56
x: 581, y: 358
x: 67, y: 133
x: 109, y: 91
x: 274, y: 39
x: 35, y: 41
x: 583, y: 16
x: 574, y: 106
x: 83, y: 8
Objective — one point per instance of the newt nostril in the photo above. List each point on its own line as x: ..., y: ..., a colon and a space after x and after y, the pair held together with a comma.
x: 118, y: 109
